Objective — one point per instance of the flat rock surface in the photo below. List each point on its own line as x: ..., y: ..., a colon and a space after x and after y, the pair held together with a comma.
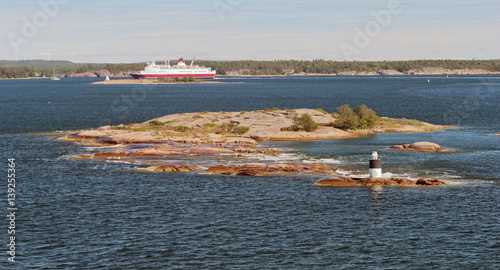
x: 419, y: 147
x: 351, y: 182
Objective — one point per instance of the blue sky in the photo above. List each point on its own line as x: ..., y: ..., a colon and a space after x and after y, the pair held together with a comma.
x: 134, y: 31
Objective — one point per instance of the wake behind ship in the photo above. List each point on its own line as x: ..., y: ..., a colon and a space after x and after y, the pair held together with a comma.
x: 152, y: 70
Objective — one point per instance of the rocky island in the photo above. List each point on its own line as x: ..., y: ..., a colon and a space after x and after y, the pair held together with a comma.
x: 232, y: 134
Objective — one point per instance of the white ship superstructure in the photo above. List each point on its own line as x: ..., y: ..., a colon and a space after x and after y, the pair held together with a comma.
x: 152, y: 70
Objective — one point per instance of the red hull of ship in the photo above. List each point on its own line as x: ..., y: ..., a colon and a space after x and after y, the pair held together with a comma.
x: 148, y: 76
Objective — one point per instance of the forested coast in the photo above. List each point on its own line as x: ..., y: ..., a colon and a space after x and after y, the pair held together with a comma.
x: 43, y: 68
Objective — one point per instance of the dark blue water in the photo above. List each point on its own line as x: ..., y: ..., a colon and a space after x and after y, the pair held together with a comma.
x: 108, y: 215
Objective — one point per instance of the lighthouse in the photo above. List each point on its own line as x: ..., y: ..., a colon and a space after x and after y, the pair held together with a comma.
x: 375, y: 166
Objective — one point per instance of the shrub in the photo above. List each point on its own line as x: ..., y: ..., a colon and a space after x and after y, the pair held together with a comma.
x: 230, y: 127
x: 304, y: 122
x: 156, y: 122
x: 185, y: 79
x: 347, y: 119
x: 367, y: 118
x: 182, y: 128
x: 176, y: 79
x: 240, y: 130
x: 361, y: 118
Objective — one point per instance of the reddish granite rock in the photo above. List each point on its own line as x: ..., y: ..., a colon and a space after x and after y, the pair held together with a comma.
x: 173, y: 168
x: 221, y: 169
x: 386, y: 182
x: 337, y: 182
x: 349, y: 182
x: 418, y: 147
x: 251, y: 169
x: 430, y: 182
x: 102, y: 155
x: 424, y: 146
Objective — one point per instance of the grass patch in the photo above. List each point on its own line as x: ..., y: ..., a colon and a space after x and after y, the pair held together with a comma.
x: 396, y: 122
x: 156, y: 122
x: 182, y: 128
x: 321, y: 111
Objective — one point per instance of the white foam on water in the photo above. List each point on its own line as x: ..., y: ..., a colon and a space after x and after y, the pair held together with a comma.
x: 323, y: 160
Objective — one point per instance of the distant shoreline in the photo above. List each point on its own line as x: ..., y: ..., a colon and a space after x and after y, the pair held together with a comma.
x: 417, y: 72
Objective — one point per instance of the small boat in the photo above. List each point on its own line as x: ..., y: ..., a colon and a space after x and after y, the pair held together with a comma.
x: 107, y: 78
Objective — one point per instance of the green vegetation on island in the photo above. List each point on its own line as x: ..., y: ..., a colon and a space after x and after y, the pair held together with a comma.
x: 39, y: 68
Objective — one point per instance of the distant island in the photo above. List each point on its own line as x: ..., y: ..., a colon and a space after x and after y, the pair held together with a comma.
x: 42, y: 68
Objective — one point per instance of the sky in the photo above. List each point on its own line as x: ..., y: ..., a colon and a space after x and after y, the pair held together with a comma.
x: 123, y: 31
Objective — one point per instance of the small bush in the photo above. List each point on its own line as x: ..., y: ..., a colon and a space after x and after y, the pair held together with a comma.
x: 367, y: 118
x: 210, y: 125
x: 177, y: 79
x: 182, y: 128
x: 360, y: 118
x: 185, y: 79
x: 347, y: 118
x: 156, y: 122
x: 233, y: 128
x: 240, y: 130
x: 304, y: 122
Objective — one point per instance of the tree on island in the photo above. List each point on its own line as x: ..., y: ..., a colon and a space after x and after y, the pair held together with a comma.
x: 360, y: 118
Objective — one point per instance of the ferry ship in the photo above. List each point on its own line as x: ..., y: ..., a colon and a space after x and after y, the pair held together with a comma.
x: 152, y: 70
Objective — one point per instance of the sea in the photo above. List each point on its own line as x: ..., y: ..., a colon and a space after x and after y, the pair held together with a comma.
x: 65, y: 213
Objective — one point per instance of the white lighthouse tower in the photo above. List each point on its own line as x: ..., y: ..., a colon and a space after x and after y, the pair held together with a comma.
x: 375, y: 166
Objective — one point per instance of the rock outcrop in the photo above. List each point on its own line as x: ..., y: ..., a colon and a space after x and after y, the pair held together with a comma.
x: 203, y: 127
x: 419, y: 147
x: 389, y: 72
x: 253, y: 169
x: 97, y: 74
x: 352, y: 182
x: 171, y: 168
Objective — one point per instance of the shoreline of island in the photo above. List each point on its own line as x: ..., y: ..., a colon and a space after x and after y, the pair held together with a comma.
x: 241, y: 73
x: 149, y: 81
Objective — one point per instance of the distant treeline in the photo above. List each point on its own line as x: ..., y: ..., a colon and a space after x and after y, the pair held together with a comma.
x: 22, y: 69
x: 17, y: 72
x: 281, y: 67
